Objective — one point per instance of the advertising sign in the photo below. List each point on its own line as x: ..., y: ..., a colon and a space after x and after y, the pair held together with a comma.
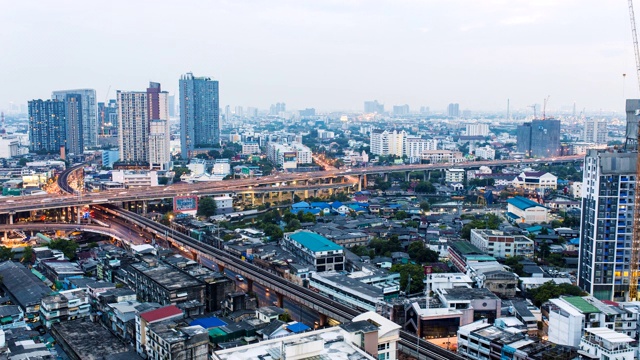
x: 185, y: 203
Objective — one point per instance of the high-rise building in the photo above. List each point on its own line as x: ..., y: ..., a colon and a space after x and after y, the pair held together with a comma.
x: 172, y: 106
x: 73, y: 113
x: 400, y: 110
x: 633, y: 115
x: 385, y: 142
x: 416, y: 145
x: 424, y: 110
x: 88, y: 116
x: 606, y: 225
x: 227, y: 113
x: 143, y: 118
x: 108, y: 117
x: 277, y: 108
x: 133, y: 126
x: 47, y: 125
x: 308, y: 112
x: 252, y: 112
x: 477, y: 129
x: 199, y: 113
x: 539, y: 138
x: 595, y: 131
x: 374, y: 106
x: 453, y: 110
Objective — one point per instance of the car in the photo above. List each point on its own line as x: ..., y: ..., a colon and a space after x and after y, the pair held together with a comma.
x: 266, y: 290
x: 239, y: 278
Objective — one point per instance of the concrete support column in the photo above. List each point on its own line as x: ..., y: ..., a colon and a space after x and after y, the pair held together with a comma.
x: 315, y: 192
x: 426, y: 175
x: 293, y: 195
x: 386, y: 176
x: 359, y: 182
x: 330, y: 180
x: 79, y: 216
x: 249, y: 285
x: 144, y: 207
x: 280, y: 300
x: 253, y: 199
x: 306, y: 194
x: 364, y: 181
x: 407, y: 176
x: 11, y: 219
x: 279, y: 196
x: 220, y: 268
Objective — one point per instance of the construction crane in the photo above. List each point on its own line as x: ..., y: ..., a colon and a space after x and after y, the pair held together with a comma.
x: 635, y: 245
x: 534, y: 110
x: 544, y: 107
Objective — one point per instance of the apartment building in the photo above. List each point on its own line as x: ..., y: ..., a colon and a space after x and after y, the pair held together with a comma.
x: 495, y: 243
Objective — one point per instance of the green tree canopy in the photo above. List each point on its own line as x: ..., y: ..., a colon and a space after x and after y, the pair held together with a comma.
x: 206, y: 207
x: 416, y: 272
x: 420, y: 253
x: 551, y: 290
x: 67, y: 247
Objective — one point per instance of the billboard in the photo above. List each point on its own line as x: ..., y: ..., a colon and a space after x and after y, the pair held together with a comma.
x: 185, y: 203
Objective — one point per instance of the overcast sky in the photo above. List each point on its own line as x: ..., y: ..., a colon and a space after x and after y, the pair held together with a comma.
x: 331, y: 55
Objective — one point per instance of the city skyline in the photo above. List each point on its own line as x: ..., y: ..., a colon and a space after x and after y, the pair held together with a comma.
x: 429, y: 53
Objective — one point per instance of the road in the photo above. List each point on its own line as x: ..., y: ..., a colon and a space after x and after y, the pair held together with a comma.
x: 273, y: 183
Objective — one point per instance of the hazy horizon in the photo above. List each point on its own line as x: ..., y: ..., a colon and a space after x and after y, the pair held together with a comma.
x: 331, y: 55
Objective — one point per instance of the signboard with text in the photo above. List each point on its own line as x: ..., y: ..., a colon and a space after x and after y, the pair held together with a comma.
x: 185, y: 203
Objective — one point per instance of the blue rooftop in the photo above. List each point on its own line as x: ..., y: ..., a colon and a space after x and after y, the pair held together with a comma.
x: 314, y: 242
x: 208, y: 323
x: 574, y: 241
x: 522, y: 203
x: 512, y: 216
x: 298, y: 327
x: 300, y: 205
x: 311, y: 211
x: 320, y: 205
x: 336, y: 204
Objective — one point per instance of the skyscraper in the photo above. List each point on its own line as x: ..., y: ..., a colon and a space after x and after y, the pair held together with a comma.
x: 108, y: 118
x: 539, y: 138
x: 47, y: 125
x: 453, y: 110
x: 595, y: 131
x: 88, y: 115
x: 632, y: 108
x: 199, y: 113
x: 136, y: 112
x: 374, y: 106
x: 606, y: 226
x: 73, y: 131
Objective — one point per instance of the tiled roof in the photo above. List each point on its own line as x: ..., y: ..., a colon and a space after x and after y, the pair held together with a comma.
x: 162, y: 313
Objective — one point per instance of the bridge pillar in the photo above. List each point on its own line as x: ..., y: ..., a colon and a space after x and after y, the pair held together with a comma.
x: 280, y: 300
x: 10, y: 219
x: 279, y: 196
x: 249, y: 286
x: 315, y: 192
x: 220, y: 268
x: 253, y: 200
x: 144, y: 207
x: 386, y: 176
x: 323, y: 320
x: 293, y: 195
x: 359, y: 182
x: 407, y: 176
x: 78, y: 212
x: 364, y: 181
x: 306, y: 194
x: 330, y: 180
x: 426, y: 176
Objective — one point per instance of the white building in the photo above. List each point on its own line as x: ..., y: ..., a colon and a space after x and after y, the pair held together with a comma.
x: 486, y: 153
x: 289, y: 156
x: 442, y: 156
x: 385, y: 142
x: 536, y: 180
x: 9, y: 146
x: 477, y: 129
x: 605, y: 344
x: 303, y: 153
x: 132, y: 179
x: 576, y: 189
x: 388, y: 334
x: 496, y: 244
x: 221, y: 167
x: 133, y: 126
x: 159, y: 145
x: 521, y: 209
x: 224, y: 204
x: 595, y: 131
x: 250, y: 148
x: 449, y: 281
x: 454, y: 175
x: 416, y: 145
x: 197, y: 166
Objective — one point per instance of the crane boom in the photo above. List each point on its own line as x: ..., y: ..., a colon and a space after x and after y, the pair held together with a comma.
x: 635, y: 245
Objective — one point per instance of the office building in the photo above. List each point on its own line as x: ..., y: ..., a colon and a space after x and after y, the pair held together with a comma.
x: 385, y: 142
x: 477, y: 129
x: 239, y: 112
x: 374, y: 106
x: 308, y: 112
x: 277, y: 108
x: 86, y: 110
x: 595, y: 131
x: 289, y: 156
x: 453, y: 110
x: 606, y: 226
x: 108, y: 118
x: 47, y: 125
x: 400, y: 110
x: 199, y: 114
x: 316, y: 250
x: 539, y: 138
x: 495, y: 243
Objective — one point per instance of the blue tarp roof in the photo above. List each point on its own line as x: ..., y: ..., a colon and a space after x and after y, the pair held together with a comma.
x: 336, y: 204
x: 298, y: 328
x: 321, y: 205
x: 512, y: 216
x: 300, y: 205
x: 208, y: 322
x: 574, y: 241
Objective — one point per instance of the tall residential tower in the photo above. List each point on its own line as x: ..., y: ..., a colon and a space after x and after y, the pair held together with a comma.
x: 47, y: 125
x: 87, y: 120
x: 199, y: 114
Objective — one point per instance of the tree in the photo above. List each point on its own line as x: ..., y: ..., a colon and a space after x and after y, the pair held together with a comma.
x: 93, y: 245
x: 273, y: 231
x: 420, y: 253
x: 382, y: 185
x: 67, y: 247
x: 514, y: 263
x: 178, y: 171
x: 416, y: 272
x: 206, y: 207
x: 23, y: 161
x: 551, y: 290
x: 285, y: 317
x: 425, y: 187
x: 27, y: 254
x: 425, y: 206
x: 401, y: 215
x: 5, y: 253
x: 293, y: 225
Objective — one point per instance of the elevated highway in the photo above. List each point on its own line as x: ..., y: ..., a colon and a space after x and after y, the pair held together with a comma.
x: 279, y: 183
x: 118, y: 234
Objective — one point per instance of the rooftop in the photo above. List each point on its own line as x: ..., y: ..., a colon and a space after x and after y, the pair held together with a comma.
x: 465, y: 248
x: 468, y: 294
x: 610, y: 335
x: 89, y: 340
x: 581, y: 304
x: 523, y: 203
x: 314, y: 242
x: 23, y: 285
x: 162, y: 313
x: 167, y: 276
